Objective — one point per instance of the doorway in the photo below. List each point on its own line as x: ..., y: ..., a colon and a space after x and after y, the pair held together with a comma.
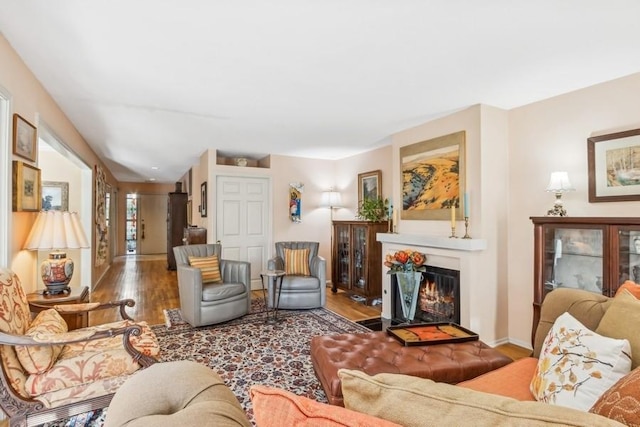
x: 146, y: 224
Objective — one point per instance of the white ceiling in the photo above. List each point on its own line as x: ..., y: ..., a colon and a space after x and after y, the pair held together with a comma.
x: 158, y: 82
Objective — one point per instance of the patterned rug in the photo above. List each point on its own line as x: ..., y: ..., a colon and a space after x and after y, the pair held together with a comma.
x: 247, y: 351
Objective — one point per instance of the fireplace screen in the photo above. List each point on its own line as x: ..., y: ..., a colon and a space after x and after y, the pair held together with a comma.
x: 438, y: 297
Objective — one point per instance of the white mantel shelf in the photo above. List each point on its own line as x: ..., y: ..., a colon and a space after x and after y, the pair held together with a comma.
x: 433, y: 241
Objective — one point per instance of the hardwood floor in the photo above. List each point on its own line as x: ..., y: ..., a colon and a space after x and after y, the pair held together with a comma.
x: 146, y: 280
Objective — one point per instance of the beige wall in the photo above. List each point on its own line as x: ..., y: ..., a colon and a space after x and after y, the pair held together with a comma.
x: 552, y: 135
x: 31, y: 101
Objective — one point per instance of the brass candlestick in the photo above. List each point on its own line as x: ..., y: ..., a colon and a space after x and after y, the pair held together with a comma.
x: 453, y: 233
x: 466, y: 228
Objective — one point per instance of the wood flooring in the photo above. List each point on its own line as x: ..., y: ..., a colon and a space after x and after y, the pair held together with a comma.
x: 146, y: 280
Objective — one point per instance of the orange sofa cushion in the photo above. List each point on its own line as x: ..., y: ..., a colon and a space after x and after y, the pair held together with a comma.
x: 274, y: 407
x: 512, y: 380
x: 631, y: 286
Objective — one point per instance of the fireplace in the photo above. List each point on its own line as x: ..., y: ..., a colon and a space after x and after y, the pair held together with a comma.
x: 438, y: 297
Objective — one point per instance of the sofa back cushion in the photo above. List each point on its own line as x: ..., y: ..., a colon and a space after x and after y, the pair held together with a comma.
x: 622, y: 320
x: 416, y: 402
x: 586, y: 307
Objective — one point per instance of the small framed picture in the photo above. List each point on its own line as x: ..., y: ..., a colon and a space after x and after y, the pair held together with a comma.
x: 55, y: 196
x: 369, y: 185
x: 26, y: 187
x: 25, y: 139
x: 203, y: 199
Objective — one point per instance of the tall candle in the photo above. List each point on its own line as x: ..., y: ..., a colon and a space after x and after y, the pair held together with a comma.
x: 453, y: 216
x: 466, y: 205
x: 394, y: 216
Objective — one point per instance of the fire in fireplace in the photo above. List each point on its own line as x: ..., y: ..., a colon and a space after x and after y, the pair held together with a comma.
x: 438, y: 297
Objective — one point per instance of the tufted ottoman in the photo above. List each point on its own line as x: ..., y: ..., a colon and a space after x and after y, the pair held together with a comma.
x: 377, y: 352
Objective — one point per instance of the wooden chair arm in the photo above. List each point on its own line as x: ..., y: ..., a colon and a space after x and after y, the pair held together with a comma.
x: 82, y: 335
x: 90, y: 306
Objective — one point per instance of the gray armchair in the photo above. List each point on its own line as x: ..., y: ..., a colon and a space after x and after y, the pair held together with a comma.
x: 209, y: 303
x: 301, y: 291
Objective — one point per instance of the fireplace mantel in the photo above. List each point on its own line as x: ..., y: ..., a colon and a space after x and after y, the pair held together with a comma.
x: 433, y: 241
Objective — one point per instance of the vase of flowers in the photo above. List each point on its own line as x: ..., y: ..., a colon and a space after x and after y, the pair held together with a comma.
x: 407, y: 266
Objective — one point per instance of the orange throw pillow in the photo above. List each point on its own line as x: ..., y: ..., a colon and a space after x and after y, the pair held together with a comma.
x: 631, y: 286
x: 273, y: 407
x: 622, y: 401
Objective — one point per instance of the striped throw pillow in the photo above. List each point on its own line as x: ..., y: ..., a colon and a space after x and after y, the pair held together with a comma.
x: 296, y: 262
x: 209, y: 266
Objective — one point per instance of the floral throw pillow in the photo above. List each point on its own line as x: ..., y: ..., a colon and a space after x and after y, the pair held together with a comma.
x: 576, y: 365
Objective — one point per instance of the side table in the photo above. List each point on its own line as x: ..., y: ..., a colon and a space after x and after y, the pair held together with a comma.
x: 77, y: 295
x: 272, y: 276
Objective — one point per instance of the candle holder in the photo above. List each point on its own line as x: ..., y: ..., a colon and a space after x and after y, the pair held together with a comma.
x: 466, y: 228
x: 453, y: 233
x: 389, y: 225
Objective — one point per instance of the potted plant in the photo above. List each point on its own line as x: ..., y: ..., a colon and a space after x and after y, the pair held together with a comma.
x: 373, y: 209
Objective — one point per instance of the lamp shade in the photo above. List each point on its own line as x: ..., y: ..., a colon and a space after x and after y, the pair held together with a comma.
x: 56, y: 230
x: 559, y: 182
x: 331, y: 199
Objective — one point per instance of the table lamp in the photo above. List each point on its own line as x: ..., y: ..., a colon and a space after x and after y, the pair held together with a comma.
x: 559, y: 183
x: 56, y: 230
x: 331, y: 199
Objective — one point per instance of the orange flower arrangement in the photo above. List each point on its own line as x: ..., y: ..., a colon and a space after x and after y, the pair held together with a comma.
x: 405, y: 260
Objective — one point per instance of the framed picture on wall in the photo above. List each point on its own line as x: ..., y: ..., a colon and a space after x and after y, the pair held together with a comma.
x: 433, y: 178
x: 55, y: 196
x: 25, y: 139
x: 26, y: 187
x: 203, y: 199
x: 614, y: 167
x: 369, y: 185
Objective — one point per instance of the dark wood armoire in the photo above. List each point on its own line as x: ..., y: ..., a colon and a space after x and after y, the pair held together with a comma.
x: 176, y: 222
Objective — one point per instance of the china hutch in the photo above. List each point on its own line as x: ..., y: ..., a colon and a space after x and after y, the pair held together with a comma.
x: 357, y: 258
x: 176, y: 222
x: 596, y: 254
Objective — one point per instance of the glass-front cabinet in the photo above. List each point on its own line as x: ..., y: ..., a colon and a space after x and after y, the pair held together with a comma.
x: 596, y: 254
x: 357, y: 259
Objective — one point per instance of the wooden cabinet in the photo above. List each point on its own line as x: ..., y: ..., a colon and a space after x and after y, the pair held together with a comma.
x: 176, y: 223
x: 195, y: 235
x: 596, y: 254
x: 38, y: 302
x: 357, y: 258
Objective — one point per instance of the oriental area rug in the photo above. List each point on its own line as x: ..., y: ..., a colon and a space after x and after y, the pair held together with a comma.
x: 246, y: 351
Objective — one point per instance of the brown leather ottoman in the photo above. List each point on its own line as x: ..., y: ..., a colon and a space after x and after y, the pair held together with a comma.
x: 377, y: 352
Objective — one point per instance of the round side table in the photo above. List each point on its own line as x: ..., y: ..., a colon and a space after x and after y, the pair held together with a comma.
x: 275, y: 277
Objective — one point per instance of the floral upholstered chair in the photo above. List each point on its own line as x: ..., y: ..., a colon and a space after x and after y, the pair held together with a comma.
x: 49, y: 372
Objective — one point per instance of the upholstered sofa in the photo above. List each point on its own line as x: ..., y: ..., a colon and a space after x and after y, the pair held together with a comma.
x: 498, y: 398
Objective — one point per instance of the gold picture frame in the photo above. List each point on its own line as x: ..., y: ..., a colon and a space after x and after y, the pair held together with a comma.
x: 25, y: 138
x: 26, y: 188
x: 433, y: 178
x: 614, y: 167
x: 369, y: 185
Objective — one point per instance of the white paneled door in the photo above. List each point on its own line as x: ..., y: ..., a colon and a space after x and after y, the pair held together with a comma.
x: 243, y: 221
x: 152, y: 227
